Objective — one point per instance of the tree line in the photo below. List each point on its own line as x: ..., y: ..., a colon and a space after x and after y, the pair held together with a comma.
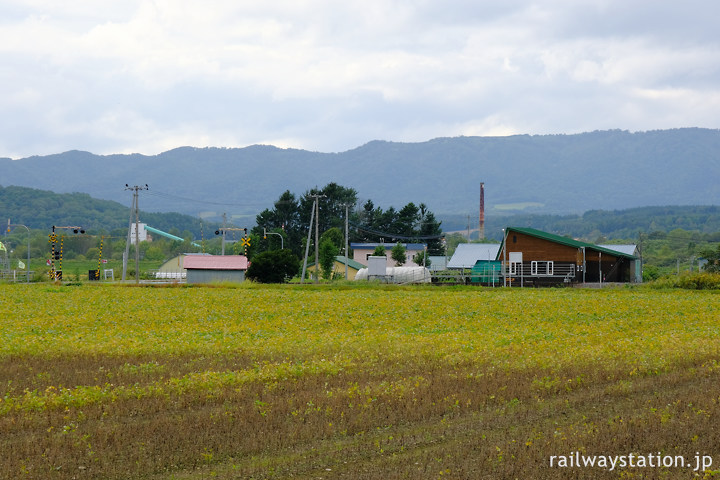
x: 287, y: 224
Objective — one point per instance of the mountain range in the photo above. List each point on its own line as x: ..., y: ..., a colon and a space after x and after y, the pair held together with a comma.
x: 544, y: 174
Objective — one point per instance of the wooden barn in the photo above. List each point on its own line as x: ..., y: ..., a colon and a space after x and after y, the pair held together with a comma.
x: 532, y: 257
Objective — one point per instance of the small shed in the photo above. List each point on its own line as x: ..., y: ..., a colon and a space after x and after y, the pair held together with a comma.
x: 215, y: 268
x: 339, y: 267
x: 487, y: 272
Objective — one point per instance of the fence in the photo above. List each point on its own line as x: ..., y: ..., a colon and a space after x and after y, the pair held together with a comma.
x: 16, y: 275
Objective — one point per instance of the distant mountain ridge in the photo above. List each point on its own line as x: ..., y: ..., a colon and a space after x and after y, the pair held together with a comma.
x: 550, y: 174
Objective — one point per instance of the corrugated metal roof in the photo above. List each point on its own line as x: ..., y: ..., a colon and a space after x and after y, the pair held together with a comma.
x: 566, y: 241
x: 215, y: 262
x: 467, y: 254
x: 341, y: 259
x: 626, y: 249
x: 351, y: 263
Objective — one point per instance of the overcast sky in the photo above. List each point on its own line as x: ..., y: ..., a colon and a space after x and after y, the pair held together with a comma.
x: 145, y: 76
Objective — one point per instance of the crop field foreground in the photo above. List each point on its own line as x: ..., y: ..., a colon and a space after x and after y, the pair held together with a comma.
x: 312, y: 382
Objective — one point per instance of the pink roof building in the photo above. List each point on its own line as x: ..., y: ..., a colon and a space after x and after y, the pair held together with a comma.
x: 215, y: 268
x: 215, y: 262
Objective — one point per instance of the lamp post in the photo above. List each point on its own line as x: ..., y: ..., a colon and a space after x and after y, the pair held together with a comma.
x: 27, y: 267
x: 266, y: 233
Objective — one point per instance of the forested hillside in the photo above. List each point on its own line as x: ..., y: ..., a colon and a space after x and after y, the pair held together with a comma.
x: 599, y: 225
x: 40, y: 209
x: 548, y: 174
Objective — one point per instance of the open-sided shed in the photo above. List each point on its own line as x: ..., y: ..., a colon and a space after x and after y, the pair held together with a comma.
x: 534, y: 257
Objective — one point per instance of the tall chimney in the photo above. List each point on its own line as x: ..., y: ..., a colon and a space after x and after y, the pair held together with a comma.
x: 481, y: 222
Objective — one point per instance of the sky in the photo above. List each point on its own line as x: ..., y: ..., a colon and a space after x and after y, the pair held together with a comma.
x: 147, y: 76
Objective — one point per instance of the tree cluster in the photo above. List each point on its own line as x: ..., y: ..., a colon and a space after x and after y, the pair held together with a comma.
x: 290, y: 218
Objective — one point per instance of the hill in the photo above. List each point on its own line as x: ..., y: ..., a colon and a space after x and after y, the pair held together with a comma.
x: 596, y: 225
x: 550, y: 174
x: 39, y: 209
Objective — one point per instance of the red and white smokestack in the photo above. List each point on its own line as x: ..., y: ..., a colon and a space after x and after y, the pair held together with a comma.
x: 481, y: 223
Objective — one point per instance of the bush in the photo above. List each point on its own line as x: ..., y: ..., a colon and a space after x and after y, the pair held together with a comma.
x: 650, y: 273
x: 689, y: 281
x: 700, y: 281
x: 275, y: 266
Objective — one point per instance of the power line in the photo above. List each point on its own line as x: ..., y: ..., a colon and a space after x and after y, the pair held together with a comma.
x: 393, y: 235
x: 206, y: 202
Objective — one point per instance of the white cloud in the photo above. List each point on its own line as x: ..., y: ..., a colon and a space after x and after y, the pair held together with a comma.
x: 149, y: 75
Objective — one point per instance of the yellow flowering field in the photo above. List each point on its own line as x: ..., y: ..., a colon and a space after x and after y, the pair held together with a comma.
x: 250, y: 381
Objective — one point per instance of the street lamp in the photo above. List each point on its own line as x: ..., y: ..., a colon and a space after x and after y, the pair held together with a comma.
x: 27, y: 267
x: 266, y: 233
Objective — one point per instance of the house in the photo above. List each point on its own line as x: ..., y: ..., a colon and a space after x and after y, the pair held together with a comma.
x: 215, y: 268
x: 534, y: 257
x: 361, y: 252
x: 467, y: 255
x: 339, y: 267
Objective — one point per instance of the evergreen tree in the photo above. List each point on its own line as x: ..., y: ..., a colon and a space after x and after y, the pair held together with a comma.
x: 327, y: 253
x: 398, y: 254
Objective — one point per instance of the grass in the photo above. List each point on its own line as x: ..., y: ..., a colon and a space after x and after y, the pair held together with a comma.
x: 251, y: 381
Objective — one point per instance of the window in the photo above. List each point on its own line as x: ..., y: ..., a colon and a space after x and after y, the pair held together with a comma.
x: 540, y: 268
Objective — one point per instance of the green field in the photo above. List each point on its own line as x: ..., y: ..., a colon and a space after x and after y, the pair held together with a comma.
x: 115, y: 382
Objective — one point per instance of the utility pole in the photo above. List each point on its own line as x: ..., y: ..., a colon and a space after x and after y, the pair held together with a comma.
x: 347, y: 206
x: 317, y: 198
x: 640, y: 251
x: 135, y: 206
x: 223, y: 234
x: 307, y: 244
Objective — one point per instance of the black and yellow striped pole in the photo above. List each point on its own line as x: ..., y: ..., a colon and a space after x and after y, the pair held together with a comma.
x: 97, y: 276
x: 54, y: 254
x: 58, y: 274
